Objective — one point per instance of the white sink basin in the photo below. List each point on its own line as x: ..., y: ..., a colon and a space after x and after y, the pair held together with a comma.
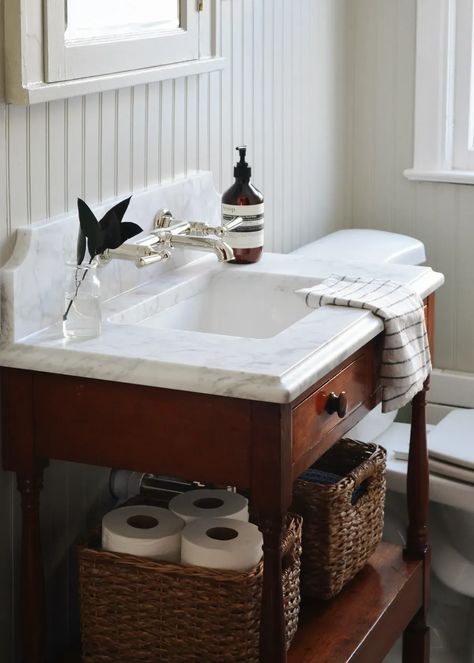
x: 224, y: 302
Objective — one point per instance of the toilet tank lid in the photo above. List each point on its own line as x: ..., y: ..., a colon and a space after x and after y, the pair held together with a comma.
x: 451, y: 440
x: 367, y: 245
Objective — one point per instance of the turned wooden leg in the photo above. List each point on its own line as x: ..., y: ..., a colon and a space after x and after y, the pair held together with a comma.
x: 416, y: 637
x: 272, y: 629
x: 19, y: 456
x: 270, y: 491
x: 32, y: 604
x: 416, y: 640
x: 418, y: 479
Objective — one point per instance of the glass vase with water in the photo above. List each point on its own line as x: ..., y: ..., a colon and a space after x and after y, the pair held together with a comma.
x: 82, y: 315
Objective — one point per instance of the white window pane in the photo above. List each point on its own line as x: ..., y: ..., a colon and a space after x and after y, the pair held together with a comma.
x: 93, y: 18
x: 463, y: 124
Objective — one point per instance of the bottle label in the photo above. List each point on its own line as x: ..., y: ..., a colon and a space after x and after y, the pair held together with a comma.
x: 231, y: 211
x: 252, y: 240
x: 249, y: 234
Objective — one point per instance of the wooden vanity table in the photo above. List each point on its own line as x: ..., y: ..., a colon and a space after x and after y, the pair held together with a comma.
x: 254, y: 445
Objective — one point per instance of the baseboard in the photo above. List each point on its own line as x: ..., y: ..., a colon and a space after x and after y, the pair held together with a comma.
x: 452, y: 388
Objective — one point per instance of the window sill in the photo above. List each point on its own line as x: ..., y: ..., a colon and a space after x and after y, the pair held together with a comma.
x: 41, y: 92
x: 452, y: 176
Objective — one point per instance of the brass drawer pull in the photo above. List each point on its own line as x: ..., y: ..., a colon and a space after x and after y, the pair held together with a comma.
x: 337, y: 404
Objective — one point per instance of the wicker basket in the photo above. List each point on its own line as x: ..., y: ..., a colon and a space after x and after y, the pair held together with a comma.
x: 136, y: 610
x: 341, y: 529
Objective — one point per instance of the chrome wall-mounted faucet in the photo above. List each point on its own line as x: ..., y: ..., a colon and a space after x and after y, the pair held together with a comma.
x: 169, y: 234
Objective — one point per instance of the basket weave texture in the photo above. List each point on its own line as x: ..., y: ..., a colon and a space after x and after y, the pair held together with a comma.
x: 138, y: 610
x: 338, y: 535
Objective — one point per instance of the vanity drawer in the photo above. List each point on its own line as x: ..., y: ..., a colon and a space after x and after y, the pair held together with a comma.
x: 326, y: 414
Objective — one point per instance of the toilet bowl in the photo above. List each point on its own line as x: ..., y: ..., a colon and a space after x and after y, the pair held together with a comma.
x: 451, y: 534
x: 451, y: 519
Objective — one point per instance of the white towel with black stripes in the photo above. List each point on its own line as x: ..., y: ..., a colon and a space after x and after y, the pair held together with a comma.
x: 406, y: 359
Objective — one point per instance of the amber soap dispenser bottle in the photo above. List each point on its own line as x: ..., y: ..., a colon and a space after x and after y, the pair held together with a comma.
x: 243, y: 199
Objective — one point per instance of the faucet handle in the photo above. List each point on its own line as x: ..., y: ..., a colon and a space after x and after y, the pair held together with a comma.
x: 156, y: 257
x: 141, y: 254
x: 232, y: 224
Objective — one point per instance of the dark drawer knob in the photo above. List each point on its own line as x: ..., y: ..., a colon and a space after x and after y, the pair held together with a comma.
x: 335, y: 403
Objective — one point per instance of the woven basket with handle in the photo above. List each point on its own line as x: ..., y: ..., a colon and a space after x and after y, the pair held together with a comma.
x: 137, y: 610
x: 342, y: 521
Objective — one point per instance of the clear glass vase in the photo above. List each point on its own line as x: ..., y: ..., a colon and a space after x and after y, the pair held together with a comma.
x: 82, y: 316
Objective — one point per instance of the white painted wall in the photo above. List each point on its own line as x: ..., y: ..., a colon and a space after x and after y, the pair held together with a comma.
x: 382, y: 70
x: 283, y: 93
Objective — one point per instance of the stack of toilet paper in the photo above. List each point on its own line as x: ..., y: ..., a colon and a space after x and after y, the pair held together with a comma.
x: 202, y: 527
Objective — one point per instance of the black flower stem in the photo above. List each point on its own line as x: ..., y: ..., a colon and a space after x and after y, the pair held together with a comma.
x: 66, y: 313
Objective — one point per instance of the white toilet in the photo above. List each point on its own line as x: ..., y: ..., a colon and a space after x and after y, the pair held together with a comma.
x: 451, y: 455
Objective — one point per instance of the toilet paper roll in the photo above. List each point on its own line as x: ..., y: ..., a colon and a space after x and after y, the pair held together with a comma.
x: 146, y: 531
x: 209, y: 503
x: 221, y: 543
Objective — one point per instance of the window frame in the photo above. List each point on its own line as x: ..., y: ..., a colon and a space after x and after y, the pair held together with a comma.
x: 436, y: 145
x: 28, y: 54
x: 69, y: 60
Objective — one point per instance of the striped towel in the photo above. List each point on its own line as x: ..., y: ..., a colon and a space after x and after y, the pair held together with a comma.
x: 406, y: 359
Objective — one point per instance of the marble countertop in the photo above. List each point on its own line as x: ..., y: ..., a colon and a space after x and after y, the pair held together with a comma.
x: 275, y: 369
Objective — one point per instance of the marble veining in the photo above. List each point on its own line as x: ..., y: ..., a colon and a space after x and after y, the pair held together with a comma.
x: 275, y: 369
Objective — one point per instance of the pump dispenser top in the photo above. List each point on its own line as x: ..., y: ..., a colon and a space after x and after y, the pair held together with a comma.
x: 244, y: 200
x: 242, y: 170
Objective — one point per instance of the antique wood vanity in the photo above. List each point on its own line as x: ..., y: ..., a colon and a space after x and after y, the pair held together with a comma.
x: 231, y: 405
x: 255, y: 445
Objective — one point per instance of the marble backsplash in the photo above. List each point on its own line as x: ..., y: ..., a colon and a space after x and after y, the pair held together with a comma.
x: 32, y: 281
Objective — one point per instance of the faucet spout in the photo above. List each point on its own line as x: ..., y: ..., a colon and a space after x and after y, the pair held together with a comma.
x: 215, y: 245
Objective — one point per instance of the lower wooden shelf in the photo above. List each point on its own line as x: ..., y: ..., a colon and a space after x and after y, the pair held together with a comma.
x: 363, y: 622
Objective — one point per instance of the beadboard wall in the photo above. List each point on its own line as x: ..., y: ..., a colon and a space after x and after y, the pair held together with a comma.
x: 382, y: 71
x: 283, y: 93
